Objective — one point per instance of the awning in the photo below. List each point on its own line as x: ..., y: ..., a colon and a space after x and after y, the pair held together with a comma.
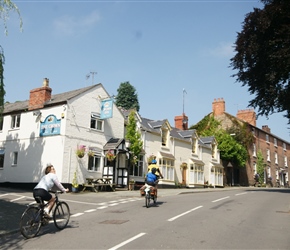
x: 167, y: 155
x: 113, y: 143
x: 197, y: 161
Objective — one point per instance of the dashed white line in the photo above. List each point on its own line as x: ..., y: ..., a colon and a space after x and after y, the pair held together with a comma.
x: 189, y: 211
x: 90, y: 210
x: 221, y: 199
x: 18, y: 198
x: 241, y: 193
x: 77, y: 214
x: 127, y: 241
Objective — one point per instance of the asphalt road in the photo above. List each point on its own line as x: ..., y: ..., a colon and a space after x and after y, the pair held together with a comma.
x: 240, y: 218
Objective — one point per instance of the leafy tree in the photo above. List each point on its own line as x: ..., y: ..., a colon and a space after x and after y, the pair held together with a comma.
x: 5, y: 7
x: 230, y: 149
x: 127, y: 97
x: 260, y: 164
x: 134, y: 137
x: 262, y: 58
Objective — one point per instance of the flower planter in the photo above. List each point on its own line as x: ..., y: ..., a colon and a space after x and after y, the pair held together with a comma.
x: 74, y: 189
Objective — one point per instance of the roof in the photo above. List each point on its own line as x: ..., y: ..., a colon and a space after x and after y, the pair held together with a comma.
x: 55, y: 99
x: 113, y: 143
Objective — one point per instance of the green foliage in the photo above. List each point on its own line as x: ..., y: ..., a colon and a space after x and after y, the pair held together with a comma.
x: 230, y: 148
x: 127, y: 97
x: 134, y: 137
x: 260, y: 164
x: 262, y: 58
x: 75, y: 183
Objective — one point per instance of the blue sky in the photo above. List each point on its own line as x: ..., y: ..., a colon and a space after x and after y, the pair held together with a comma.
x: 160, y: 47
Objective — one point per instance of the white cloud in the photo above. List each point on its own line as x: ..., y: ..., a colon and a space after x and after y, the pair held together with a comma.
x: 70, y: 25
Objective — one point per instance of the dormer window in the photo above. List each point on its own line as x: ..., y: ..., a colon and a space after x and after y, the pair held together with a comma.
x: 194, y: 144
x: 213, y: 151
x: 164, y: 135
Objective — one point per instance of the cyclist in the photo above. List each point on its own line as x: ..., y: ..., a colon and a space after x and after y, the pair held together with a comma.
x: 154, y: 165
x: 46, y: 183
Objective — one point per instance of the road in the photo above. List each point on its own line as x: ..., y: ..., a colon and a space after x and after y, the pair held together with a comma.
x: 252, y: 218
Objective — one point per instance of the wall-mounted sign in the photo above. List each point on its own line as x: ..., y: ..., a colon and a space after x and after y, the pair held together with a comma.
x: 106, y: 109
x: 50, y: 126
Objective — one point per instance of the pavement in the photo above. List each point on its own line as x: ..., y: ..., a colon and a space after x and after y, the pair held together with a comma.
x: 11, y: 210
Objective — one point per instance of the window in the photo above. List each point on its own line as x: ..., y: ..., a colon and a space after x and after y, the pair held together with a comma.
x: 254, y: 150
x: 194, y: 142
x: 94, y: 163
x: 198, y: 172
x: 167, y: 168
x: 96, y: 123
x: 267, y: 138
x: 285, y: 161
x: 276, y: 158
x: 15, y: 121
x: 284, y: 146
x: 275, y: 142
x: 218, y: 173
x: 138, y: 169
x: 253, y: 131
x: 268, y: 155
x: 1, y: 123
x: 14, y: 158
x: 255, y: 167
x: 2, y: 153
x: 164, y: 135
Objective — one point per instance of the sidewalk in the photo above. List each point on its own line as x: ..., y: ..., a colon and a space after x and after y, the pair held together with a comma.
x: 10, y: 212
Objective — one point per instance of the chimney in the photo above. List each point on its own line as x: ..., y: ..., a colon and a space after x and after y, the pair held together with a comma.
x: 218, y: 106
x: 266, y: 129
x: 247, y: 115
x: 181, y: 122
x: 39, y: 96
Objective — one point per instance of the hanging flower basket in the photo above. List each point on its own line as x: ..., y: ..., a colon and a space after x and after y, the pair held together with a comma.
x: 110, y: 155
x: 91, y: 153
x: 81, y: 150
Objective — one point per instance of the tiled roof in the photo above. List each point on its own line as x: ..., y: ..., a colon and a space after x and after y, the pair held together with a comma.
x: 55, y: 99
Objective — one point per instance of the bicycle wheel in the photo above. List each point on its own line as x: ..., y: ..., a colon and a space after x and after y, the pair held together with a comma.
x: 147, y: 199
x: 30, y: 222
x: 61, y: 215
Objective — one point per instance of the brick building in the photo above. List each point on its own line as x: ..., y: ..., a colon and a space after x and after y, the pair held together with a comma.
x: 275, y: 150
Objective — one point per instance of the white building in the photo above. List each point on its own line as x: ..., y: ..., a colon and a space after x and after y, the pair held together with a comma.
x: 50, y: 128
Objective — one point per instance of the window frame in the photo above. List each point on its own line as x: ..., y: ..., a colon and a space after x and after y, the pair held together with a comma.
x: 15, y: 121
x: 92, y: 163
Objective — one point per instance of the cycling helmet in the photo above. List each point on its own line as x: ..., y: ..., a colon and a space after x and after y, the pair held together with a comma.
x: 154, y: 161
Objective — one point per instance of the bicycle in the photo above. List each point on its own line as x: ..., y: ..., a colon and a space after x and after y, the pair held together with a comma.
x: 34, y: 216
x: 150, y: 194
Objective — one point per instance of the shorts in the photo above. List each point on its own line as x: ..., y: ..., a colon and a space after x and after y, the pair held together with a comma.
x: 42, y: 193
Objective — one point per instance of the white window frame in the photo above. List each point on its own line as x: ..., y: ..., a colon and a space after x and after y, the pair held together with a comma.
x: 276, y: 158
x: 285, y: 161
x: 268, y: 155
x: 167, y: 168
x: 267, y: 138
x: 275, y: 142
x: 284, y: 146
x: 254, y: 150
x: 96, y: 123
x: 14, y: 158
x: 95, y: 163
x: 15, y: 121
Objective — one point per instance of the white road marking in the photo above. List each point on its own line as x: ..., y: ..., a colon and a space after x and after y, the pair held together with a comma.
x: 77, y: 214
x: 241, y: 193
x: 127, y: 241
x: 90, y: 210
x: 189, y: 211
x: 221, y: 199
x: 18, y: 198
x: 102, y: 207
x: 3, y: 195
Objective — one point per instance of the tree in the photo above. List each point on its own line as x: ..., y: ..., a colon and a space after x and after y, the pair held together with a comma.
x: 127, y: 97
x: 230, y: 149
x: 134, y: 137
x: 262, y: 58
x: 5, y: 7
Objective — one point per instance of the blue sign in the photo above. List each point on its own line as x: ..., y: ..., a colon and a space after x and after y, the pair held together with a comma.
x: 106, y: 109
x: 50, y: 126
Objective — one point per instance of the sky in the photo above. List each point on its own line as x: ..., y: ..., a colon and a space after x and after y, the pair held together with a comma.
x: 175, y: 53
